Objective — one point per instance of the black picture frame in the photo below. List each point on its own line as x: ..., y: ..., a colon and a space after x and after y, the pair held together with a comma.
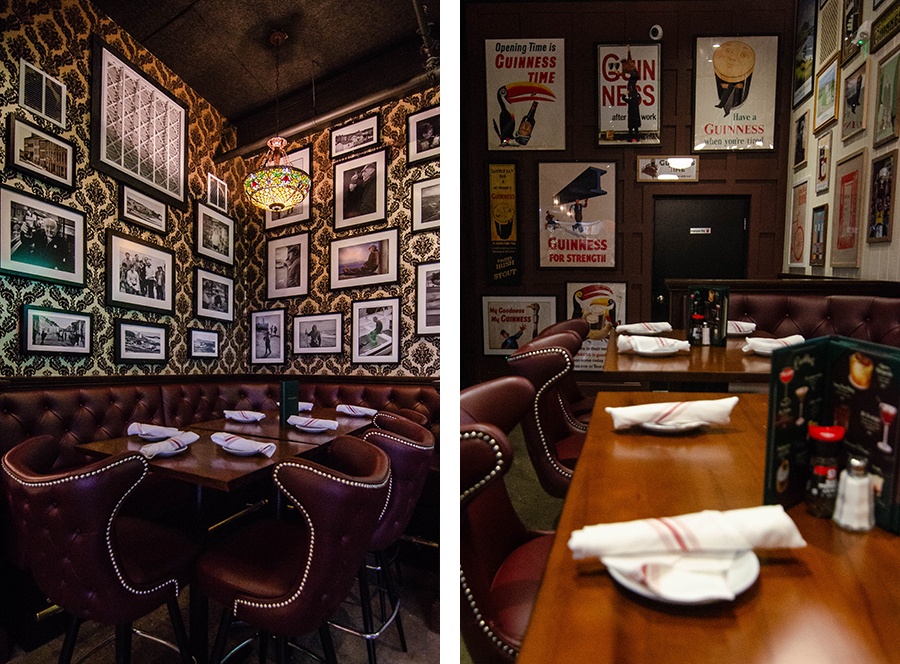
x: 62, y: 333
x: 360, y: 190
x: 265, y: 326
x: 136, y: 207
x: 33, y: 151
x: 365, y: 260
x: 141, y: 342
x: 319, y: 334
x: 204, y: 344
x: 209, y: 229
x: 287, y: 266
x: 428, y: 298
x: 423, y: 135
x: 213, y: 295
x: 128, y: 277
x: 425, y: 204
x: 355, y: 136
x: 376, y: 345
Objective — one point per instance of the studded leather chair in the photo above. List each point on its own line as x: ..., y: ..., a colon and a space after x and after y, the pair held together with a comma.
x: 286, y: 576
x: 87, y: 557
x: 501, y: 561
x: 579, y: 326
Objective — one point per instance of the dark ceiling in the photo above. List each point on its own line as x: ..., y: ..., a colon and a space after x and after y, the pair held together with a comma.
x: 344, y: 50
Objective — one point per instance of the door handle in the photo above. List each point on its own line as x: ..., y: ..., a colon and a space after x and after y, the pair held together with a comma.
x: 660, y: 298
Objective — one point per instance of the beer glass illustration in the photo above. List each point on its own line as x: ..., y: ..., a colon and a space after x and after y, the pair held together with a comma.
x: 733, y: 64
x: 888, y: 413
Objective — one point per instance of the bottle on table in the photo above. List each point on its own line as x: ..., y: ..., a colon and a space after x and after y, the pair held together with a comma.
x: 821, y: 487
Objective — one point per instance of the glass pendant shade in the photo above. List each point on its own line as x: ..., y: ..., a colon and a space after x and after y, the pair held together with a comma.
x: 276, y: 185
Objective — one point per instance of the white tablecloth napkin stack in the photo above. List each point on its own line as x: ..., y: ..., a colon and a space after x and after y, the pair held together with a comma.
x: 238, y: 445
x: 644, y: 328
x: 356, y: 411
x: 626, y: 343
x: 244, y: 415
x: 151, y: 430
x: 741, y: 327
x: 175, y: 443
x: 707, y: 411
x: 755, y: 345
x: 312, y: 422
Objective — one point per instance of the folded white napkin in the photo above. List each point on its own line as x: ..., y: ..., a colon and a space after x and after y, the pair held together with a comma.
x: 708, y: 411
x: 232, y: 443
x: 244, y: 415
x: 173, y: 444
x: 626, y: 343
x: 756, y: 345
x: 304, y: 406
x: 643, y: 328
x: 151, y: 430
x: 356, y: 411
x: 312, y: 422
x: 741, y: 327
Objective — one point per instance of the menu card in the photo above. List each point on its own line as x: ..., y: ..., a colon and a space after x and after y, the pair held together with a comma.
x: 706, y: 316
x: 290, y: 399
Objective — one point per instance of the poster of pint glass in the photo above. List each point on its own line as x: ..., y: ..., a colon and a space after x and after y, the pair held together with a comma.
x: 629, y: 85
x: 577, y: 214
x: 603, y: 306
x: 526, y: 94
x: 799, y: 201
x: 511, y: 321
x: 735, y: 93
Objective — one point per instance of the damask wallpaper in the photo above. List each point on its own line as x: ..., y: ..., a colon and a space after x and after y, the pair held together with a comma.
x: 55, y: 36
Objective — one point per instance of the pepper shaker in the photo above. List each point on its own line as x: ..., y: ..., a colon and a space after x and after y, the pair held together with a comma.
x: 855, y: 506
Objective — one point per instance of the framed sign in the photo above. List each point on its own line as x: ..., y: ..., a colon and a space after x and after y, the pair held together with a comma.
x: 319, y: 333
x: 141, y: 342
x: 801, y: 139
x: 856, y: 89
x: 376, y: 331
x: 267, y: 342
x: 502, y: 204
x: 819, y: 235
x: 823, y: 163
x: 203, y: 344
x: 850, y: 25
x: 215, y: 235
x: 629, y: 84
x: 827, y: 95
x: 667, y: 169
x: 799, y: 201
x: 602, y: 305
x: 31, y: 150
x: 887, y: 122
x: 735, y: 88
x: 355, y: 136
x: 46, y: 331
x: 511, y: 320
x: 298, y: 159
x: 363, y: 260
x: 849, y: 191
x: 880, y: 226
x: 360, y: 190
x: 423, y: 135
x: 428, y: 298
x: 426, y: 204
x: 804, y: 49
x: 139, y: 275
x: 214, y: 295
x: 885, y: 26
x: 287, y: 266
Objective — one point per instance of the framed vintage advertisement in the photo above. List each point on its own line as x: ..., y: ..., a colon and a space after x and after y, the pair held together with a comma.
x: 852, y: 17
x: 423, y: 135
x: 602, y: 305
x: 880, y: 225
x: 267, y: 340
x: 214, y: 295
x: 214, y: 235
x: 512, y: 320
x: 505, y: 263
x: 885, y: 26
x: 526, y: 94
x: 629, y: 84
x: 298, y: 159
x: 849, y: 195
x: 804, y: 49
x: 577, y: 216
x: 667, y: 169
x: 823, y: 163
x: 137, y: 208
x: 827, y: 95
x: 33, y: 151
x: 355, y: 136
x: 41, y: 240
x: 141, y: 342
x: 887, y: 122
x: 360, y: 190
x: 801, y: 140
x: 319, y: 333
x: 729, y: 112
x: 216, y: 193
x: 819, y: 235
x: 376, y: 331
x: 139, y: 275
x: 287, y: 266
x: 856, y: 90
x: 799, y: 200
x: 138, y: 128
x: 428, y: 298
x: 363, y: 260
x: 46, y: 331
x: 426, y: 204
x: 203, y: 344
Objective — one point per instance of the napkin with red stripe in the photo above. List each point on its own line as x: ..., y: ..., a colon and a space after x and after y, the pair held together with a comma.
x: 238, y: 445
x: 244, y: 415
x: 706, y: 411
x: 644, y: 328
x: 169, y: 445
x: 626, y: 343
x: 356, y: 411
x: 741, y: 327
x: 151, y: 430
x: 756, y: 345
x: 312, y: 422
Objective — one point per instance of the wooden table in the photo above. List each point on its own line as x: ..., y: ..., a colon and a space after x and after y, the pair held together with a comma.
x: 837, y: 600
x: 271, y: 427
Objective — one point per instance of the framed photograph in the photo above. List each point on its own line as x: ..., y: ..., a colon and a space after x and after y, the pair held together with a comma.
x: 139, y: 209
x: 203, y: 344
x: 629, y: 84
x: 885, y: 26
x: 376, y: 331
x: 214, y: 235
x: 852, y: 17
x: 45, y: 331
x: 267, y: 343
x: 881, y: 202
x: 41, y: 94
x: 819, y: 235
x: 298, y: 159
x: 33, y: 151
x: 856, y: 89
x: 849, y: 194
x: 139, y: 275
x: 138, y: 128
x: 287, y: 266
x: 823, y: 163
x: 216, y: 193
x: 423, y: 135
x: 214, y: 295
x: 360, y: 190
x: 828, y: 30
x: 667, y: 169
x: 363, y: 260
x: 725, y: 102
x: 801, y: 141
x: 40, y: 239
x: 804, y: 49
x: 426, y: 204
x: 799, y: 200
x: 511, y: 320
x: 428, y: 298
x: 141, y: 342
x: 355, y: 136
x: 827, y: 95
x: 887, y: 122
x: 319, y: 333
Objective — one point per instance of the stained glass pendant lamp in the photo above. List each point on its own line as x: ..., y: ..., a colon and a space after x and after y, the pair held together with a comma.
x: 276, y: 185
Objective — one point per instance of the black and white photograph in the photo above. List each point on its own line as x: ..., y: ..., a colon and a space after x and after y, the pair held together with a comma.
x: 139, y: 275
x: 46, y: 331
x: 203, y: 344
x: 423, y: 135
x: 428, y: 298
x: 143, y: 210
x: 141, y: 342
x: 40, y: 239
x: 267, y: 342
x: 42, y: 94
x: 376, y: 331
x: 355, y: 136
x: 426, y: 204
x: 33, y: 151
x: 360, y: 190
x: 301, y: 159
x: 215, y: 235
x: 319, y: 333
x: 287, y: 266
x: 214, y: 295
x: 216, y: 193
x: 364, y: 260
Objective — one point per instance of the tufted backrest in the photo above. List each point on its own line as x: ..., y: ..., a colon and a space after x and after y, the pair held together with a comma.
x: 186, y: 403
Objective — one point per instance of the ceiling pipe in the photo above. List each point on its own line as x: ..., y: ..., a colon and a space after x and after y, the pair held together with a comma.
x: 429, y: 46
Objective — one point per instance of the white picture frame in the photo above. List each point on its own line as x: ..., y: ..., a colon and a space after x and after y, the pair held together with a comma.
x: 287, y: 266
x: 426, y: 204
x: 428, y: 298
x: 214, y: 235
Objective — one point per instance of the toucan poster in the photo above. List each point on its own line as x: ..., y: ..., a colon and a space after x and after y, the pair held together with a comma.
x: 526, y: 94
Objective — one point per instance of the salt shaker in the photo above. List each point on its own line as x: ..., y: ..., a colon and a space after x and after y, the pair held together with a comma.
x: 855, y: 506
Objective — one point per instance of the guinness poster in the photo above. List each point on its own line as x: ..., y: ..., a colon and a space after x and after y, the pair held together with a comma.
x: 504, y: 265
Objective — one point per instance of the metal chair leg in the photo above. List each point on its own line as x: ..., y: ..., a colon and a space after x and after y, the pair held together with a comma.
x: 123, y: 644
x: 327, y: 644
x: 68, y: 648
x: 393, y: 594
x: 365, y: 602
x: 181, y: 637
x: 221, y: 637
x: 264, y: 647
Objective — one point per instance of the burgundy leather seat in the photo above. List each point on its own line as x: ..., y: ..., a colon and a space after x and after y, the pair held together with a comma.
x: 501, y: 561
x: 579, y: 326
x: 287, y: 576
x: 94, y: 562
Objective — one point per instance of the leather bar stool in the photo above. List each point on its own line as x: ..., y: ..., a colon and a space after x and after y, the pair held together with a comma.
x: 87, y: 557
